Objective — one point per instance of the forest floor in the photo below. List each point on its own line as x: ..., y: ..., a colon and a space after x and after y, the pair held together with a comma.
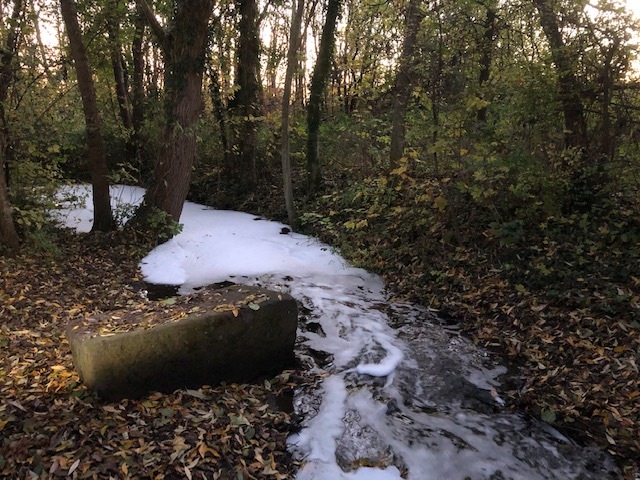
x: 52, y: 426
x: 580, y: 368
x: 575, y: 341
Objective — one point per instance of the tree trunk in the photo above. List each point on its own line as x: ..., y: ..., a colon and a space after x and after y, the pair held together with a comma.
x: 219, y: 110
x: 184, y: 50
x: 41, y: 47
x: 121, y: 81
x: 486, y: 54
x: 318, y: 83
x: 587, y: 177
x: 570, y: 91
x: 117, y: 65
x: 403, y: 84
x: 137, y: 87
x: 297, y: 11
x: 300, y: 76
x: 607, y: 136
x: 244, y: 105
x: 273, y: 61
x: 102, y: 218
x: 8, y: 235
x: 301, y: 70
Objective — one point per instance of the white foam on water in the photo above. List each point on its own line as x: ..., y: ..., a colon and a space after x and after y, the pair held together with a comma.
x: 453, y: 443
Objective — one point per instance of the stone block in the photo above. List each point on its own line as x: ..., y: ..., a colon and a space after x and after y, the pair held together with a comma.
x: 233, y: 334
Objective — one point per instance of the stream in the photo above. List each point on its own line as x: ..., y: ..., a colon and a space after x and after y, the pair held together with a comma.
x: 402, y: 396
x: 399, y: 396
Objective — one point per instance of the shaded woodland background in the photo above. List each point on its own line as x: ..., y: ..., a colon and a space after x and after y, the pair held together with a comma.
x: 482, y: 155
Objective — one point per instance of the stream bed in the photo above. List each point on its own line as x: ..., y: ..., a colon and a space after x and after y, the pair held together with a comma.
x: 403, y: 396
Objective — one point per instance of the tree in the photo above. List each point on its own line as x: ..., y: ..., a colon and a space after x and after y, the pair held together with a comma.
x: 220, y: 113
x: 137, y: 87
x: 486, y: 52
x: 297, y: 10
x: 102, y: 217
x: 244, y: 104
x: 118, y: 66
x: 404, y: 80
x: 318, y: 83
x: 570, y: 90
x: 183, y: 45
x: 8, y: 235
x: 362, y: 45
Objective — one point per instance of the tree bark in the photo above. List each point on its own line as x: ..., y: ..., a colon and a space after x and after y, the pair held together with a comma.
x: 184, y: 51
x: 318, y: 83
x: 574, y: 118
x: 244, y: 105
x: 486, y: 56
x: 102, y: 217
x: 8, y: 235
x: 137, y: 87
x: 219, y: 110
x: 403, y: 83
x: 41, y: 47
x: 297, y: 10
x: 119, y: 75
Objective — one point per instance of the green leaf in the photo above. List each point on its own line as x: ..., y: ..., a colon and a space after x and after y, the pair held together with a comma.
x: 167, y: 412
x: 440, y: 203
x: 548, y: 415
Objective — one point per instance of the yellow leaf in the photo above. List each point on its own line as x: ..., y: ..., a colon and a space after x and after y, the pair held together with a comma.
x: 399, y: 171
x: 235, y: 311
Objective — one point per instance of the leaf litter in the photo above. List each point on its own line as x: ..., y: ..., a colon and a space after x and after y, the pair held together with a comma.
x: 51, y: 426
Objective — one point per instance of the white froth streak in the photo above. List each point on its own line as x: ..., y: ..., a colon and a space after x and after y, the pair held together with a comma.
x: 319, y: 450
